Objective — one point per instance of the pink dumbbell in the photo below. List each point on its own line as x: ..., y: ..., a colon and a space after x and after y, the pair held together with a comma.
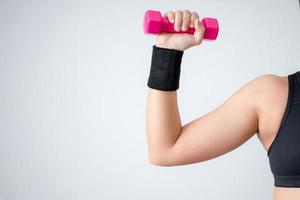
x: 154, y: 23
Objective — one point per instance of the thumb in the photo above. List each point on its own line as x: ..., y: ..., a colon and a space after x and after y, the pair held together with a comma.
x: 199, y: 32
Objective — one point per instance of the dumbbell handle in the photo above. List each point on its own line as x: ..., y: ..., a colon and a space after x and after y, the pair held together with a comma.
x: 154, y: 23
x: 167, y: 26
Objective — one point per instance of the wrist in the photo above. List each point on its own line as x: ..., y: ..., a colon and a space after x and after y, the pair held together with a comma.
x: 165, y: 69
x: 174, y: 47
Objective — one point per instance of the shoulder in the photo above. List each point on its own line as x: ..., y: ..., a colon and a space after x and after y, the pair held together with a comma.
x: 269, y: 92
x: 264, y: 91
x: 268, y: 86
x: 264, y: 86
x: 267, y: 82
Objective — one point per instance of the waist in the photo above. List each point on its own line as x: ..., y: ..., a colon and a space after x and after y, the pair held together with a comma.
x: 286, y: 193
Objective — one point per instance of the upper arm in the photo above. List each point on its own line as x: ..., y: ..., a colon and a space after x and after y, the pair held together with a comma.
x: 223, y: 129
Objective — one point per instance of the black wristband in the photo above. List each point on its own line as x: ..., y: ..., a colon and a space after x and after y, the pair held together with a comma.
x: 165, y: 69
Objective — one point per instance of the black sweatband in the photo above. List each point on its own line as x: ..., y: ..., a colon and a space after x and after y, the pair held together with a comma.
x: 165, y: 69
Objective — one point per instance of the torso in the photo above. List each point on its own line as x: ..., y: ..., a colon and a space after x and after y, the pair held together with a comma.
x: 281, y: 193
x: 271, y: 109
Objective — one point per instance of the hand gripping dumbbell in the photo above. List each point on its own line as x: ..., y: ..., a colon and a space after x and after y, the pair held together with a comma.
x: 154, y: 23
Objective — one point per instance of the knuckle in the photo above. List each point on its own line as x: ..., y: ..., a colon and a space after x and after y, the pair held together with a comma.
x: 186, y: 11
x: 178, y: 12
x: 187, y: 16
x: 195, y: 14
x: 170, y: 13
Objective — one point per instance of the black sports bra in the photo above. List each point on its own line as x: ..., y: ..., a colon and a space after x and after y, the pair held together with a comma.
x: 284, y: 152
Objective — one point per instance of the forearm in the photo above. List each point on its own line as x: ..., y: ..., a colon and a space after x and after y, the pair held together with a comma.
x: 163, y: 124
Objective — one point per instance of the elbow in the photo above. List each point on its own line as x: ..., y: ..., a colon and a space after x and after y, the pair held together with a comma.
x: 155, y: 161
x: 160, y: 159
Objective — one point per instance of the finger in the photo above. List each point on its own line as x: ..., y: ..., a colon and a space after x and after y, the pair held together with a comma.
x: 186, y: 20
x: 171, y: 16
x: 199, y: 32
x: 178, y: 20
x: 193, y: 18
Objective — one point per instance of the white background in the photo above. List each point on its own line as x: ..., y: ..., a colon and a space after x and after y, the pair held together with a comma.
x: 73, y: 93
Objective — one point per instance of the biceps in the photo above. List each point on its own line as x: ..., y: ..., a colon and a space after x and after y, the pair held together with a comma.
x: 217, y: 132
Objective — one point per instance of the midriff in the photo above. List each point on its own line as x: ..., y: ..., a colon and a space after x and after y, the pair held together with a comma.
x: 284, y: 193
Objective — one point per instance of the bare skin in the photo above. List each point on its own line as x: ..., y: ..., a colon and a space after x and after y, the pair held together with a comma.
x: 256, y: 108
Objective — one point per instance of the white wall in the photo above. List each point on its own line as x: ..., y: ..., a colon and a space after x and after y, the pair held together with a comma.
x: 73, y: 91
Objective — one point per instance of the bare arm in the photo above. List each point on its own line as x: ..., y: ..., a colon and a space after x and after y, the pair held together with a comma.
x: 213, y: 134
x: 163, y: 123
